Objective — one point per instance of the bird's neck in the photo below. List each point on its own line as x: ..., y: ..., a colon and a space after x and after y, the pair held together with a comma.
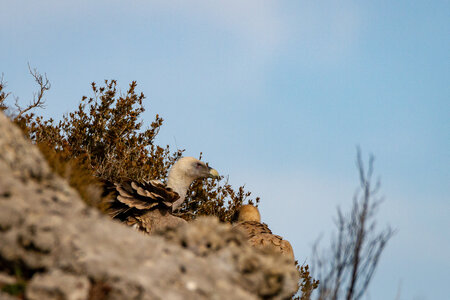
x: 180, y: 184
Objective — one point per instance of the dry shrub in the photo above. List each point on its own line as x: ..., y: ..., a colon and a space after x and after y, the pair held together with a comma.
x: 215, y: 197
x: 103, y: 139
x: 307, y: 284
x: 3, y: 95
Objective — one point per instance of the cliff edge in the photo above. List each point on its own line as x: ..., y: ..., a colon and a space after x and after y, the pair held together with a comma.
x: 54, y: 246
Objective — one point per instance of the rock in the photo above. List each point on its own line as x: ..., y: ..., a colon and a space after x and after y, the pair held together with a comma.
x: 264, y: 273
x: 67, y: 250
x: 56, y: 285
x: 5, y: 296
x: 11, y: 284
x: 6, y: 279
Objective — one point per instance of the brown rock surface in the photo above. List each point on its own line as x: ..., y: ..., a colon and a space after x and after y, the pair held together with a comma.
x: 67, y: 250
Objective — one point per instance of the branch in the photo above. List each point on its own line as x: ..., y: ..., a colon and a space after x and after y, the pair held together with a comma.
x: 3, y: 95
x: 348, y: 267
x: 44, y: 85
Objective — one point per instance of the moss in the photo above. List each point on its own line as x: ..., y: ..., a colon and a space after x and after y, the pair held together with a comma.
x: 16, y: 289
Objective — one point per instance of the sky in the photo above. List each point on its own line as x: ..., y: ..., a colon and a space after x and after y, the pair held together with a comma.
x: 277, y: 95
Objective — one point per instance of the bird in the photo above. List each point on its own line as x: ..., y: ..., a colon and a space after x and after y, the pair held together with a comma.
x: 258, y: 234
x: 148, y: 205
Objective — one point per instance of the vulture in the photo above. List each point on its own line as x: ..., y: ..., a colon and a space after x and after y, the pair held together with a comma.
x: 148, y: 206
x: 258, y: 234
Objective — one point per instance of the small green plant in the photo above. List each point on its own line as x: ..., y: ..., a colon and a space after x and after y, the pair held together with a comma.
x: 17, y: 288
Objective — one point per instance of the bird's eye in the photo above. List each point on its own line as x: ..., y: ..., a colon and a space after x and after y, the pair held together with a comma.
x: 198, y: 165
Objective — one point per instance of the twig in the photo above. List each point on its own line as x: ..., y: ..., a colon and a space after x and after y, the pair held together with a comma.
x: 44, y: 85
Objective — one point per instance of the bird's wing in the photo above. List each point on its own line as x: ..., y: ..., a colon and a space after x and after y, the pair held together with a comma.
x: 273, y: 242
x: 259, y: 235
x: 252, y: 228
x: 131, y: 199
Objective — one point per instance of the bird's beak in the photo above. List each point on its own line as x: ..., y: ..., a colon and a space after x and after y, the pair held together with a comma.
x: 213, y: 173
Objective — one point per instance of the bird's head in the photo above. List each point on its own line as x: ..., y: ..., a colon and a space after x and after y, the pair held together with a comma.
x: 249, y: 213
x: 184, y: 172
x: 193, y: 168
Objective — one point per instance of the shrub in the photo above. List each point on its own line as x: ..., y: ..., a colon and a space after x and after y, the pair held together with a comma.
x: 103, y: 139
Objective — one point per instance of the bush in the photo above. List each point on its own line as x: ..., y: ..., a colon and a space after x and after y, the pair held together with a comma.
x: 103, y: 139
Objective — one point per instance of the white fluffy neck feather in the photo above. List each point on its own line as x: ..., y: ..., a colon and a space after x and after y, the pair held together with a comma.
x: 178, y: 181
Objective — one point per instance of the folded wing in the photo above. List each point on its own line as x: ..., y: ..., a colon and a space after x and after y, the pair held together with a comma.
x: 131, y: 201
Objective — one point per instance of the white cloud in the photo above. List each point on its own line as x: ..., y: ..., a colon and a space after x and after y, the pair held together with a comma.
x: 322, y: 31
x: 257, y: 22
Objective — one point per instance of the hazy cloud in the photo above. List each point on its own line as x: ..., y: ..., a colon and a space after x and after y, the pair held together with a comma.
x: 324, y: 31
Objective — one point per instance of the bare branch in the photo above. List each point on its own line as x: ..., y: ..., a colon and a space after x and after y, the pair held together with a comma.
x: 348, y: 266
x: 44, y: 85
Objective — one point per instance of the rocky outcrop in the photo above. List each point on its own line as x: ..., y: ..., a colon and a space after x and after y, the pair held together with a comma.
x: 64, y: 249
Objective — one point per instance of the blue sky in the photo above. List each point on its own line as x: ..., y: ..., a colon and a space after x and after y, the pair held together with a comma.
x: 276, y: 94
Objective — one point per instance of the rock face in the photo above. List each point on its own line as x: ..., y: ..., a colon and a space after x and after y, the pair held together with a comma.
x: 67, y: 250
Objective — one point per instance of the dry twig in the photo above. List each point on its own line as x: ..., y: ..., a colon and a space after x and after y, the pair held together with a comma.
x: 347, y: 268
x: 44, y: 85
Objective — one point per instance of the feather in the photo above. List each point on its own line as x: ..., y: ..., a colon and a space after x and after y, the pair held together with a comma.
x: 148, y: 205
x: 259, y: 235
